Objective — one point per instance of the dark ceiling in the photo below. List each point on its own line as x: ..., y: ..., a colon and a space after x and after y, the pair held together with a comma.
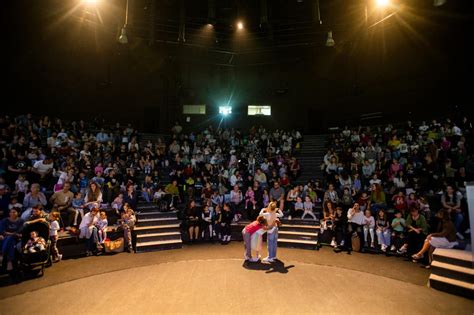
x: 64, y: 52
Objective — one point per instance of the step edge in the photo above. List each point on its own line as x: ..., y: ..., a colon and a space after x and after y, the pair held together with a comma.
x: 288, y: 240
x: 454, y: 268
x: 453, y: 282
x: 154, y: 243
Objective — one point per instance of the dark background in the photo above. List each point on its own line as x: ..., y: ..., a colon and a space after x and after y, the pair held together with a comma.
x: 63, y: 59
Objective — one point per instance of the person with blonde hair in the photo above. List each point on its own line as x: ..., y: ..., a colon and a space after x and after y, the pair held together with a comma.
x: 271, y: 215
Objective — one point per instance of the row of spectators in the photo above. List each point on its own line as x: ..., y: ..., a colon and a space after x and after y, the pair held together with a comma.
x: 395, y: 176
x: 84, y: 166
x: 71, y: 168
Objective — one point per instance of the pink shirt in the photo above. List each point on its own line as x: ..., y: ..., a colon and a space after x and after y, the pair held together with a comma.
x: 253, y: 227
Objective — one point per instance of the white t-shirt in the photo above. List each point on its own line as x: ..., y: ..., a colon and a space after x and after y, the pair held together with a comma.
x: 42, y: 168
x: 457, y: 131
x: 53, y: 228
x: 357, y: 217
x: 22, y: 186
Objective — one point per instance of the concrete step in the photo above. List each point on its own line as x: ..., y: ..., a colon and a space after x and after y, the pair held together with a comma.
x: 294, y: 243
x: 157, y: 214
x: 299, y: 228
x: 156, y: 228
x: 456, y: 257
x: 157, y: 221
x: 452, y: 271
x: 159, y: 245
x: 452, y: 286
x: 298, y: 222
x: 145, y: 205
x: 298, y: 235
x: 149, y: 237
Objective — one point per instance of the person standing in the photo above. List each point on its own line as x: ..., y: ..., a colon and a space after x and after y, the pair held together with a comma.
x: 271, y: 215
x: 254, y: 229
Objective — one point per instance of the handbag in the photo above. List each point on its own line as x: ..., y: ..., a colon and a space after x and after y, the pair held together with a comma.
x: 116, y: 246
x: 355, y: 242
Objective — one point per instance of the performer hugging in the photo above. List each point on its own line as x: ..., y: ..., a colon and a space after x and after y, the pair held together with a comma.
x: 252, y: 234
x: 271, y: 214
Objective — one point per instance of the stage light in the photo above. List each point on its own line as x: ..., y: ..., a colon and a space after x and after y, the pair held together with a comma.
x: 123, y: 39
x: 382, y: 3
x: 240, y: 25
x: 91, y: 2
x: 438, y: 3
x: 330, y: 41
x: 225, y: 110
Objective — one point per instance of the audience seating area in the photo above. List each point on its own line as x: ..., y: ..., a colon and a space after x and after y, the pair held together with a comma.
x: 205, y: 185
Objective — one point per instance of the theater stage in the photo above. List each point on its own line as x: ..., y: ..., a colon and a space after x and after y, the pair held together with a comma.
x: 206, y: 279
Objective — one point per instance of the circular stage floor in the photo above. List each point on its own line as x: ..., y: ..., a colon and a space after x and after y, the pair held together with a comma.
x: 230, y: 286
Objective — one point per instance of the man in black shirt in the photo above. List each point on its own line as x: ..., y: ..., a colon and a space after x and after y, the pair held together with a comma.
x: 17, y: 166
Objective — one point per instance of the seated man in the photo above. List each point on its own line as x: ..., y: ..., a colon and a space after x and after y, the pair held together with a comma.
x: 62, y: 202
x: 37, y: 215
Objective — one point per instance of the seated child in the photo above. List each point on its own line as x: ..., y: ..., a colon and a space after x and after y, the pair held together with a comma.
x: 206, y: 222
x: 382, y: 230
x: 424, y: 207
x: 369, y: 225
x: 78, y: 205
x: 118, y: 202
x: 101, y: 225
x: 398, y: 227
x: 298, y: 208
x: 158, y: 195
x: 14, y: 204
x: 252, y: 234
x: 308, y: 208
x: 35, y: 243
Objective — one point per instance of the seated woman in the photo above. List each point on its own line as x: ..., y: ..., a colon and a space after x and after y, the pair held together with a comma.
x: 444, y: 238
x: 10, y: 235
x: 193, y: 221
x: 355, y: 222
x: 88, y: 230
x: 32, y: 199
x: 417, y: 229
x: 93, y: 196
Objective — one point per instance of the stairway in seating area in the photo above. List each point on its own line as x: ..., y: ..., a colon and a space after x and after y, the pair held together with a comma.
x: 452, y: 271
x: 310, y: 157
x: 157, y: 230
x: 298, y: 233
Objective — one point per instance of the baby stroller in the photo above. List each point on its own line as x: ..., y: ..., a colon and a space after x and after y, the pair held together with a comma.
x: 37, y: 260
